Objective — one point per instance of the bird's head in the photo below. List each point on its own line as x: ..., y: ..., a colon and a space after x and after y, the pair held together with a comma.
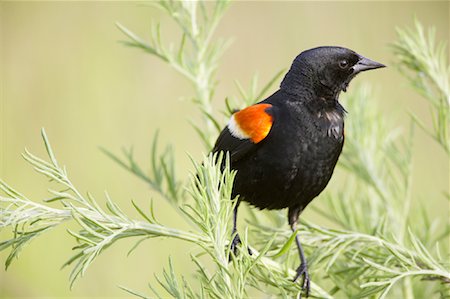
x: 326, y: 70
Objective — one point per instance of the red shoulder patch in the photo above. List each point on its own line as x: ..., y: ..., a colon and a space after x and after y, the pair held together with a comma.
x: 252, y: 122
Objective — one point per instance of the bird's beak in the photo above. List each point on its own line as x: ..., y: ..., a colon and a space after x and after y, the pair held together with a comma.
x: 365, y: 64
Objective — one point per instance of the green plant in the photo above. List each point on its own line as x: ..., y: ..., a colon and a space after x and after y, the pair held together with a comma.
x: 374, y: 252
x: 424, y: 63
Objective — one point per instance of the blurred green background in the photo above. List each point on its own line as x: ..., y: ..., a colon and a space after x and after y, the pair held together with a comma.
x: 62, y: 68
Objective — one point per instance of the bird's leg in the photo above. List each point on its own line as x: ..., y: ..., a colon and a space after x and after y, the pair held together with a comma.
x: 236, y: 239
x: 302, y: 270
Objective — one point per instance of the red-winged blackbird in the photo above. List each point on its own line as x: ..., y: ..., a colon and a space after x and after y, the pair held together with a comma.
x: 285, y: 148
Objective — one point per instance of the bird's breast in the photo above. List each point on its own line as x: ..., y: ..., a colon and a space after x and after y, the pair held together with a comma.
x: 305, y: 175
x: 293, y: 165
x: 333, y: 123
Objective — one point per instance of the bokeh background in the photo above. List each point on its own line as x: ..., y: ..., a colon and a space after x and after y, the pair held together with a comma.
x: 62, y: 68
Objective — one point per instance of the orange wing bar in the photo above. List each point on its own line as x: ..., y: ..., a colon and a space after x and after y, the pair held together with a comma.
x: 253, y: 122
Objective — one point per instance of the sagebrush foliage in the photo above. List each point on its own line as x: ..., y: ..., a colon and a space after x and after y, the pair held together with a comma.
x: 376, y: 252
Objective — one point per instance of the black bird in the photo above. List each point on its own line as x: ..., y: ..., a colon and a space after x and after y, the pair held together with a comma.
x: 285, y: 147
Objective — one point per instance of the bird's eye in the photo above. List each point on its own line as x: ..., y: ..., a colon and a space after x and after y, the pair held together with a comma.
x: 343, y: 64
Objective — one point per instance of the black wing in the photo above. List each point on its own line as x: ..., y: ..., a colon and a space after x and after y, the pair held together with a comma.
x: 237, y: 148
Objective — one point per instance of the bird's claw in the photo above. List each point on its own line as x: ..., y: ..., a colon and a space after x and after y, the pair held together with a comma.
x: 234, y: 244
x: 302, y: 270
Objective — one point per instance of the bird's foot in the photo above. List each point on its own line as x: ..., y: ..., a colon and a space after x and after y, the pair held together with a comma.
x: 302, y: 270
x: 234, y: 244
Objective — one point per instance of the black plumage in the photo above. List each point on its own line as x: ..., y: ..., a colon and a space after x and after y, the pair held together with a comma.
x: 295, y: 161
